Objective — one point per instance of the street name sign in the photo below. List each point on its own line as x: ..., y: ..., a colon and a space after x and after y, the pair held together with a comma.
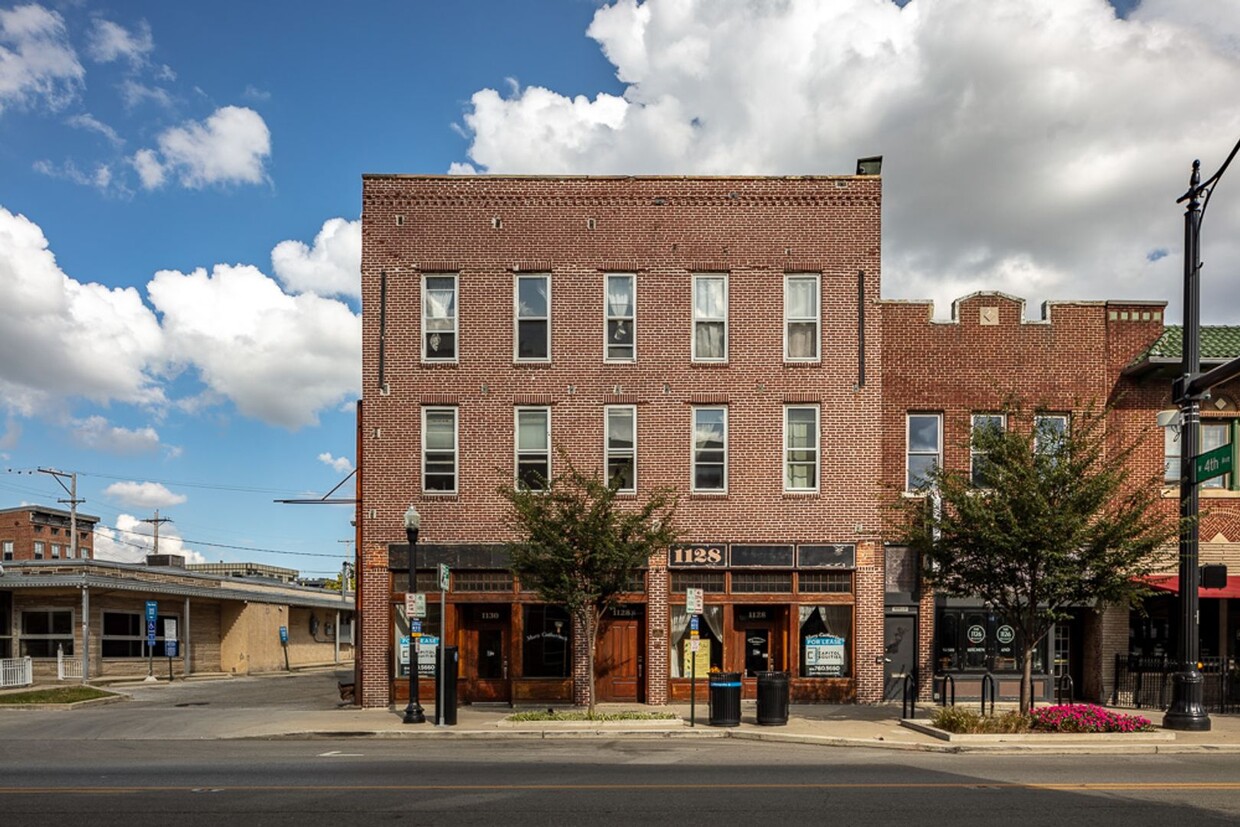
x: 1213, y: 464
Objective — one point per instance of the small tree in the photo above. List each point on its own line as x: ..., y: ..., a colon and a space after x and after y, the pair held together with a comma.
x: 1054, y: 520
x: 579, y: 547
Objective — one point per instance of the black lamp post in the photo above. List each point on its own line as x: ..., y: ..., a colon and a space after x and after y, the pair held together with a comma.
x: 413, y: 711
x: 1187, y: 711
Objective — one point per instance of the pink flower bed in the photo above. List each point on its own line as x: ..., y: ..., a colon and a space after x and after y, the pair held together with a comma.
x: 1086, y: 718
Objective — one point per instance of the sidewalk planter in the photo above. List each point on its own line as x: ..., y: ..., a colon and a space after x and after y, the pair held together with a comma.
x: 773, y: 698
x: 725, y: 699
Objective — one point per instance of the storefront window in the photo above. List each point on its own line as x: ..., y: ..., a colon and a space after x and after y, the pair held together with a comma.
x: 547, y: 649
x: 429, y: 641
x: 979, y: 640
x: 710, y: 641
x: 826, y: 641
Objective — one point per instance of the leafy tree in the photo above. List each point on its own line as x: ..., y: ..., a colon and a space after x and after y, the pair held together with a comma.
x: 579, y: 547
x: 1054, y: 520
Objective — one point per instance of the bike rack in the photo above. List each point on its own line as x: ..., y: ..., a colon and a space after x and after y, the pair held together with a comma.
x: 1064, y: 686
x: 908, y: 704
x: 989, y: 689
x: 949, y: 682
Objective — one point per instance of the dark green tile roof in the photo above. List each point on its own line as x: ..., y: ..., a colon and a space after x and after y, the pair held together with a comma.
x: 1217, y: 343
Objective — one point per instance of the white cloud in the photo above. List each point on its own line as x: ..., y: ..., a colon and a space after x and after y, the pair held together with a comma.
x: 229, y: 147
x: 332, y: 267
x: 98, y: 434
x: 1035, y: 148
x: 100, y: 178
x: 37, y: 62
x: 279, y: 358
x: 340, y: 465
x: 92, y: 124
x: 60, y: 337
x: 143, y: 494
x: 134, y: 94
x: 110, y: 41
x: 131, y: 540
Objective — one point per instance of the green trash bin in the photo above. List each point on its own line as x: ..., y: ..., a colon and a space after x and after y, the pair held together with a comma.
x: 725, y: 699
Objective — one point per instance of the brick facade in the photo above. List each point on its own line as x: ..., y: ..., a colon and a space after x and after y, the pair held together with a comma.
x: 40, y: 533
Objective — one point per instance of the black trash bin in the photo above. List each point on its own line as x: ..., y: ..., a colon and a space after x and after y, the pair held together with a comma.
x: 773, y: 698
x: 448, y: 703
x: 725, y: 699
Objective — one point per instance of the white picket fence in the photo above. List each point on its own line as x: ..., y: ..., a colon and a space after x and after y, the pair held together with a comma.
x: 67, y: 668
x: 16, y: 672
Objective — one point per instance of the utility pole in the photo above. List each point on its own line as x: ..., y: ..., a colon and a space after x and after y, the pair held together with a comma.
x: 156, y: 521
x: 73, y: 501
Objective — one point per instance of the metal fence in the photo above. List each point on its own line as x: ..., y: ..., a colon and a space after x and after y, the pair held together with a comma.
x: 16, y: 672
x: 1144, y: 682
x: 67, y: 668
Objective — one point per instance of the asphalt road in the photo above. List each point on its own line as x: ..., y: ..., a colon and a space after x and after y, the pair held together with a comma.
x: 377, y: 781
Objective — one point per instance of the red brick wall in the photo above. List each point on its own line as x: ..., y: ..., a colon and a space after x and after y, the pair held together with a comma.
x: 664, y: 229
x: 26, y: 527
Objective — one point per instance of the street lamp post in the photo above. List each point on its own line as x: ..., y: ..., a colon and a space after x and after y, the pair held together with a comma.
x: 413, y: 711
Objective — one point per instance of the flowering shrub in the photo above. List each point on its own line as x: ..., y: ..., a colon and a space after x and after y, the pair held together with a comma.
x: 1086, y: 718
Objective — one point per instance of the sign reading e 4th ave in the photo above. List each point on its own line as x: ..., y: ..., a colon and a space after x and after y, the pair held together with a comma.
x: 1213, y: 464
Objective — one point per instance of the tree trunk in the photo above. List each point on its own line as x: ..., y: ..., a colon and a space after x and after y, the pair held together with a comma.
x: 1026, y: 680
x: 592, y: 618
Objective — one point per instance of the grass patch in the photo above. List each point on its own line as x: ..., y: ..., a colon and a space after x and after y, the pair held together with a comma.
x: 58, y: 695
x: 582, y: 715
x: 1067, y: 718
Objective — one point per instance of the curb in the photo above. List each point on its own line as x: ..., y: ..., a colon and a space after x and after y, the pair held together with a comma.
x: 111, y: 699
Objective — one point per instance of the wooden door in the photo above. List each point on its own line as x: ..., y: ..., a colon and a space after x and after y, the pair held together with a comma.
x: 619, y: 661
x: 484, y: 665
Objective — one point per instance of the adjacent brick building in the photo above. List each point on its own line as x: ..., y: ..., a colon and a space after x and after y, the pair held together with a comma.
x: 36, y: 532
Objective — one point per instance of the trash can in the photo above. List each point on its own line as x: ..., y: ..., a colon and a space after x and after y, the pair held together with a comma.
x: 773, y: 698
x: 725, y: 699
x: 452, y: 655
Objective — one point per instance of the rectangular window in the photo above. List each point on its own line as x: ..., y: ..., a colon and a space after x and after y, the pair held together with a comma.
x: 439, y: 450
x: 1215, y: 435
x: 533, y: 318
x: 801, y: 312
x: 823, y: 582
x: 749, y: 582
x: 983, y: 423
x: 925, y: 446
x: 55, y: 551
x: 710, y: 449
x: 439, y: 317
x: 124, y: 634
x: 620, y: 312
x: 482, y: 581
x: 1049, y: 431
x: 801, y: 448
x: 38, y: 550
x: 621, y: 436
x: 710, y: 318
x: 826, y: 641
x: 43, y: 631
x: 683, y: 661
x: 69, y: 552
x: 533, y: 448
x: 547, y: 645
x: 708, y: 581
x: 8, y: 550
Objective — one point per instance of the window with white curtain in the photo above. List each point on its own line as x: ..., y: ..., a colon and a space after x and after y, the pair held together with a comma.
x: 621, y: 437
x: 439, y: 317
x: 801, y: 448
x: 710, y: 636
x: 710, y: 317
x: 439, y: 450
x: 801, y: 314
x: 710, y: 449
x: 620, y: 309
x: 826, y: 640
x: 533, y: 448
x: 533, y: 318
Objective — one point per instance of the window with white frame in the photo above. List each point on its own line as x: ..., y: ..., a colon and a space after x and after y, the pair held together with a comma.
x: 533, y: 448
x: 38, y: 550
x: 710, y: 449
x: 7, y: 550
x: 924, y: 440
x: 43, y: 631
x: 978, y: 463
x: 710, y: 317
x: 801, y: 448
x: 439, y: 450
x: 124, y: 634
x: 1049, y: 432
x: 439, y: 327
x: 621, y: 437
x: 801, y: 317
x: 55, y: 551
x: 620, y: 311
x: 533, y: 318
x: 1215, y: 435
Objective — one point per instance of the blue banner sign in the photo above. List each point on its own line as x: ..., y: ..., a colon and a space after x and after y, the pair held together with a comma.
x: 152, y: 613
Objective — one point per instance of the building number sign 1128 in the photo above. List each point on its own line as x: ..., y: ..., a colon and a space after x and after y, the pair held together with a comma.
x: 696, y: 556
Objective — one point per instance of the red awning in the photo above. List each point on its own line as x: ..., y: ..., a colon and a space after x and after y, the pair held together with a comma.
x: 1171, y: 583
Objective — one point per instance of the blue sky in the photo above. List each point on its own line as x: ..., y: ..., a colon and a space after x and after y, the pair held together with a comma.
x: 180, y: 189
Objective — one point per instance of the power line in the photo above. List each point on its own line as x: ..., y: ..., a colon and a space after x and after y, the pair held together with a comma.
x: 188, y: 541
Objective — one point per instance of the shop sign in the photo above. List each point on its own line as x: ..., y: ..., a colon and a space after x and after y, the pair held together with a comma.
x: 824, y: 656
x: 827, y: 556
x: 976, y: 634
x: 427, y: 645
x: 757, y: 614
x: 698, y: 555
x: 701, y: 655
x: 1005, y: 634
x: 488, y: 615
